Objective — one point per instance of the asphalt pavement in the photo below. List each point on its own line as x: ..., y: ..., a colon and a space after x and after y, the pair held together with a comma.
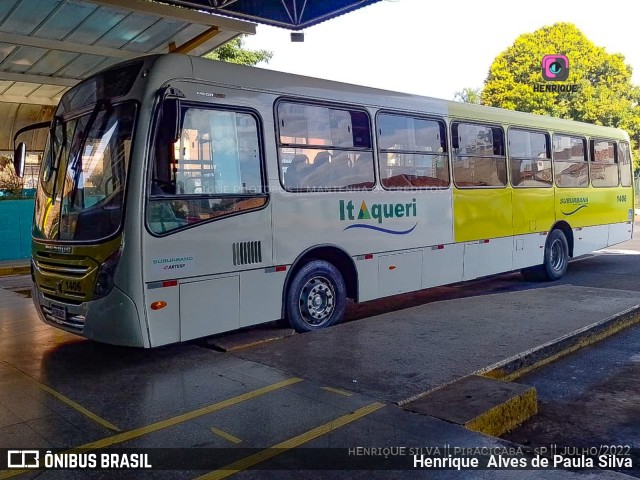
x: 589, y: 399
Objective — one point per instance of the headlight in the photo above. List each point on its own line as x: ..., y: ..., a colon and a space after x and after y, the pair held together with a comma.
x: 104, y: 282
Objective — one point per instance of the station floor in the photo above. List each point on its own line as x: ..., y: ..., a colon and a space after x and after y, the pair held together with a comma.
x: 256, y: 411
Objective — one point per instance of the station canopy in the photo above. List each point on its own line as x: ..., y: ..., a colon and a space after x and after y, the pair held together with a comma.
x: 291, y: 14
x: 47, y: 46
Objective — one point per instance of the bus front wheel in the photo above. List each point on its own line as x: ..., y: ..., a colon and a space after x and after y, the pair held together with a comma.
x: 316, y: 297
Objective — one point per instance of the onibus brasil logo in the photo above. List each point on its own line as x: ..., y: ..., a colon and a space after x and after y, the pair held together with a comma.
x: 378, y: 212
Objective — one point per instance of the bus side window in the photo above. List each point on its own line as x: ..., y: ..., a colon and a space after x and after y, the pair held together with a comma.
x: 604, y: 168
x: 215, y: 169
x: 570, y: 161
x: 329, y: 139
x: 530, y: 158
x: 412, y: 152
x: 479, y: 159
x: 625, y: 164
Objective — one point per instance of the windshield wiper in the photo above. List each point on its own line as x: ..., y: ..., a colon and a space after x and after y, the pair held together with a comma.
x: 55, y: 163
x: 77, y: 161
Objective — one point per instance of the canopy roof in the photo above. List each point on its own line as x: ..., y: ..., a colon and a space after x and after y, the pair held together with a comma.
x: 291, y: 14
x: 47, y: 46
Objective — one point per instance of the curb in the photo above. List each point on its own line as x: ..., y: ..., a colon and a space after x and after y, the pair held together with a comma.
x: 525, y: 362
x: 480, y: 404
x: 15, y: 270
x: 520, y: 364
x: 505, y: 414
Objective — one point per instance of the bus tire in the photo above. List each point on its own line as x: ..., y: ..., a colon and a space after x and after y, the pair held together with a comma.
x: 556, y: 256
x: 316, y: 297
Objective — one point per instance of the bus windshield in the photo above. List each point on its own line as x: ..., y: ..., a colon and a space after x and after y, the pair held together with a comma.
x: 83, y: 174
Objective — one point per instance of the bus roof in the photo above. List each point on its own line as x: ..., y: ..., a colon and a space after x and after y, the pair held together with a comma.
x: 279, y: 83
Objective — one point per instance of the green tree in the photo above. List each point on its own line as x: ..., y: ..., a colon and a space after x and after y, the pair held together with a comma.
x: 605, y: 93
x: 9, y: 184
x: 469, y: 95
x: 233, y: 52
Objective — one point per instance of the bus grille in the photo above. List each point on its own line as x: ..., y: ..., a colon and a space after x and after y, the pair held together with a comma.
x: 245, y: 253
x: 77, y: 271
x: 54, y: 271
x: 71, y: 322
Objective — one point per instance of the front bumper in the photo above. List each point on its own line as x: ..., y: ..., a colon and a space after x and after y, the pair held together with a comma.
x: 112, y: 319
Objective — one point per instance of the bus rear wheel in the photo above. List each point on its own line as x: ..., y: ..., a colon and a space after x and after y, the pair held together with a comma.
x: 556, y: 259
x: 316, y: 297
x: 556, y: 255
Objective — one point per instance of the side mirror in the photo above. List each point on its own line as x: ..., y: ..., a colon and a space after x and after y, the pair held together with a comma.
x: 19, y: 159
x: 171, y: 118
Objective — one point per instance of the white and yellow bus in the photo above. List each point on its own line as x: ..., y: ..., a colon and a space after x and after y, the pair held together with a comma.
x: 181, y: 197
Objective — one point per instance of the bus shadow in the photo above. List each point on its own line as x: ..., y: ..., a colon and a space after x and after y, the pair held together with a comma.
x: 602, y: 270
x: 86, y: 361
x: 503, y: 283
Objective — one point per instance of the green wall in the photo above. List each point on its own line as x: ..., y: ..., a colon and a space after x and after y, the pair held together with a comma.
x: 15, y: 229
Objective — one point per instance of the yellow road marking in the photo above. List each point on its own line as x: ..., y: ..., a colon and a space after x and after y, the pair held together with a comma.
x: 282, y: 447
x: 337, y: 390
x: 66, y: 400
x: 170, y: 422
x: 225, y: 435
x: 76, y: 406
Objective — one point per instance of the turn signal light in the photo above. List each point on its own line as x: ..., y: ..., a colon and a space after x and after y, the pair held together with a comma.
x: 158, y: 305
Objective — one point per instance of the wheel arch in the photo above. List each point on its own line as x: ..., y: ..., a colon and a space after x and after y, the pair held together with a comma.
x: 329, y: 253
x: 565, y: 228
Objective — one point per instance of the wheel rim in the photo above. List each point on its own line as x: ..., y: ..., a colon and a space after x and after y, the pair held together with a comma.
x: 557, y: 255
x: 317, y: 301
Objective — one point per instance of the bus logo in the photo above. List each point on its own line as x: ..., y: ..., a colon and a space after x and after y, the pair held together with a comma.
x: 555, y: 68
x: 377, y: 212
x: 576, y: 203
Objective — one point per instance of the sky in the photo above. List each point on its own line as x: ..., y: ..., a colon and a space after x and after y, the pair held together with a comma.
x: 438, y: 47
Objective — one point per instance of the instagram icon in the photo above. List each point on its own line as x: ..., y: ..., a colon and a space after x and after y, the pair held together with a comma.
x: 555, y: 67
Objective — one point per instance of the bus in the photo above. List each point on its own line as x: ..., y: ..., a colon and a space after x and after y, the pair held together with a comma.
x: 180, y: 197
